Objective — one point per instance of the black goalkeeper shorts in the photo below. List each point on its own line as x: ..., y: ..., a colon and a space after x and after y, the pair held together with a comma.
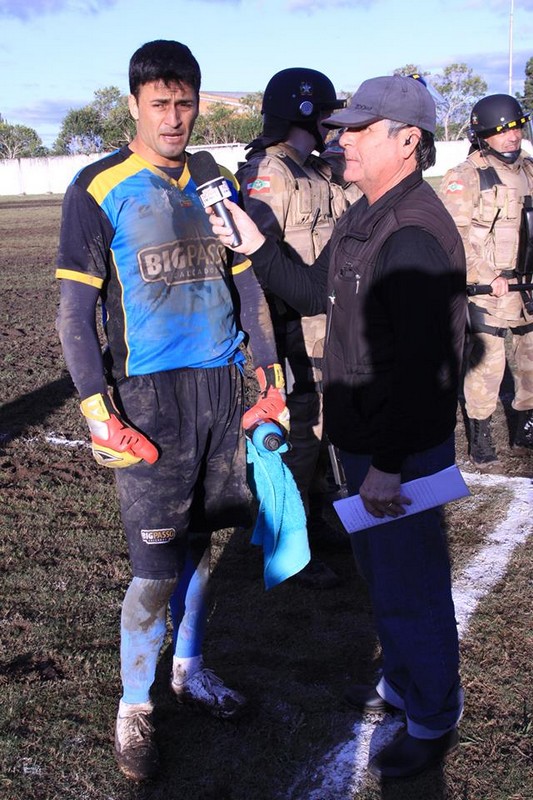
x: 194, y: 416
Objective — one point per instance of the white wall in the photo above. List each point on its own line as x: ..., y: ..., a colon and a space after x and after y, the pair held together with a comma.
x: 449, y: 154
x: 52, y: 175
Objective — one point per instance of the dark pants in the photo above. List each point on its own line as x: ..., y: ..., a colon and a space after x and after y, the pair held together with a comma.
x: 406, y: 565
x: 194, y: 416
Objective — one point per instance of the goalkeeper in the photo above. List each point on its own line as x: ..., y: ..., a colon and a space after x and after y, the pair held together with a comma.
x: 176, y: 305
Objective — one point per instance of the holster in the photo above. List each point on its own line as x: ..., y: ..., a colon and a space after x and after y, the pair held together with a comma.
x: 476, y: 322
x: 524, y: 262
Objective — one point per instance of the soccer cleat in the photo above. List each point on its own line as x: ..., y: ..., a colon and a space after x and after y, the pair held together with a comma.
x: 135, y: 749
x: 206, y: 691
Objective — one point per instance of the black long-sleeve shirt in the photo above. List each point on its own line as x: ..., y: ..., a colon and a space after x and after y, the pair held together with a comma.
x: 394, y: 336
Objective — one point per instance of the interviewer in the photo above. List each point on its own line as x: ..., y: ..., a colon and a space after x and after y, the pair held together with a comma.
x: 392, y: 281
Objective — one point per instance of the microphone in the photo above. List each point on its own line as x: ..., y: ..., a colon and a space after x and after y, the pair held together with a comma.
x: 212, y: 188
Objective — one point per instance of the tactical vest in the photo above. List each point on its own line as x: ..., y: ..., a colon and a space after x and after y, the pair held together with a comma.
x: 315, y: 203
x: 495, y: 228
x: 496, y: 215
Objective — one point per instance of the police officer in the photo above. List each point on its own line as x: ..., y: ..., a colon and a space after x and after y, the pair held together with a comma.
x: 289, y: 192
x: 487, y: 195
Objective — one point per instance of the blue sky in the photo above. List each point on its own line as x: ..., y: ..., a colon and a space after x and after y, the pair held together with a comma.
x: 54, y: 54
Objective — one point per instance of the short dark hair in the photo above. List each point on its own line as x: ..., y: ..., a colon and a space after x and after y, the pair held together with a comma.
x: 163, y: 60
x: 426, y: 152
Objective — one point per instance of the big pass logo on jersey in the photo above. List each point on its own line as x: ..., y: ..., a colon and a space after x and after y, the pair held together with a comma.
x: 182, y: 262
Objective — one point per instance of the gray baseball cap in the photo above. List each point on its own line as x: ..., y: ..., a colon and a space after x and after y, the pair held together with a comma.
x: 402, y: 99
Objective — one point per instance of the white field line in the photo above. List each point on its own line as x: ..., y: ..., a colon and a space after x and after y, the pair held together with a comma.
x: 62, y: 441
x: 342, y: 772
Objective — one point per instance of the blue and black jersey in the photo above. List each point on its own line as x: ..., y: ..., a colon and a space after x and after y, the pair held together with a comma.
x: 144, y: 241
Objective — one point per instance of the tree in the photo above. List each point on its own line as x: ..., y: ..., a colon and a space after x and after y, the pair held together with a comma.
x: 252, y: 103
x: 460, y: 89
x: 119, y: 126
x: 410, y: 69
x: 103, y: 125
x: 527, y: 97
x: 224, y: 125
x: 19, y: 141
x: 106, y: 100
x: 81, y: 132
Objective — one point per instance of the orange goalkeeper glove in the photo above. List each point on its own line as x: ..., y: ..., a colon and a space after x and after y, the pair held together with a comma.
x: 272, y: 404
x: 114, y: 443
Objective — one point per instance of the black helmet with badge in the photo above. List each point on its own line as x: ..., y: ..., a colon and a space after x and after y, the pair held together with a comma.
x: 492, y: 115
x: 296, y: 96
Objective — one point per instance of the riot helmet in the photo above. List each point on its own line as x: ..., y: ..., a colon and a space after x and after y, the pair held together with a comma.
x: 492, y: 115
x: 296, y: 96
x: 300, y: 95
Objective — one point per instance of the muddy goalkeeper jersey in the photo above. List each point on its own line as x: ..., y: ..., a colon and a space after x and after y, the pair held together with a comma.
x: 144, y: 240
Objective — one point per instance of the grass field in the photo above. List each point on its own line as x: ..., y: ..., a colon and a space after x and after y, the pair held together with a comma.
x: 64, y: 569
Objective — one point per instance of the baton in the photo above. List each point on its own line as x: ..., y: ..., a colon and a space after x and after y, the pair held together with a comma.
x: 486, y: 288
x: 338, y: 472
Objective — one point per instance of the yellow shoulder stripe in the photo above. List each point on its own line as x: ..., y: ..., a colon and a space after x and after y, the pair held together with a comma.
x: 229, y: 175
x: 80, y: 277
x: 106, y: 180
x: 242, y: 267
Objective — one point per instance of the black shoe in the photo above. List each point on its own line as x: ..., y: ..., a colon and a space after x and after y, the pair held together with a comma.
x: 407, y: 755
x: 317, y: 575
x: 482, y: 451
x: 324, y: 536
x: 523, y: 440
x: 365, y: 698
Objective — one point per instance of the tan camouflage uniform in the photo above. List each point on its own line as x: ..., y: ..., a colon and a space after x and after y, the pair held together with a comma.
x: 296, y: 202
x: 489, y: 222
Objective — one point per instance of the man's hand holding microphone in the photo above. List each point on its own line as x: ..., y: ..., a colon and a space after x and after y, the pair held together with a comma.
x: 250, y: 235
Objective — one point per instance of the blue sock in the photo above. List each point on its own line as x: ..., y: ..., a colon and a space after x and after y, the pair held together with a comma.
x: 188, y: 607
x: 142, y: 631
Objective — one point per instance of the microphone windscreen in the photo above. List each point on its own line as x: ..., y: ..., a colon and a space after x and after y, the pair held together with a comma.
x: 203, y: 167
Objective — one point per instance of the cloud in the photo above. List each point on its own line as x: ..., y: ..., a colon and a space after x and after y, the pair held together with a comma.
x: 494, y: 68
x: 41, y: 112
x: 303, y: 5
x: 326, y: 5
x: 31, y: 8
x: 497, y: 6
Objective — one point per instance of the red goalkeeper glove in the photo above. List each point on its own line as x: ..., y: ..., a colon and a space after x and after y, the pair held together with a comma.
x: 114, y: 443
x: 272, y: 401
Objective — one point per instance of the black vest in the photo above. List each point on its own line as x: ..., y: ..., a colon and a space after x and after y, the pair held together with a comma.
x: 356, y: 370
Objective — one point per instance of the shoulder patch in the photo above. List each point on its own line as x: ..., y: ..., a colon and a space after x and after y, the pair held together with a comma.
x: 455, y: 186
x: 261, y: 184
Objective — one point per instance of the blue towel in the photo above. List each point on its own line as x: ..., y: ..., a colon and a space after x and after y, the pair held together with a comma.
x: 281, y: 527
